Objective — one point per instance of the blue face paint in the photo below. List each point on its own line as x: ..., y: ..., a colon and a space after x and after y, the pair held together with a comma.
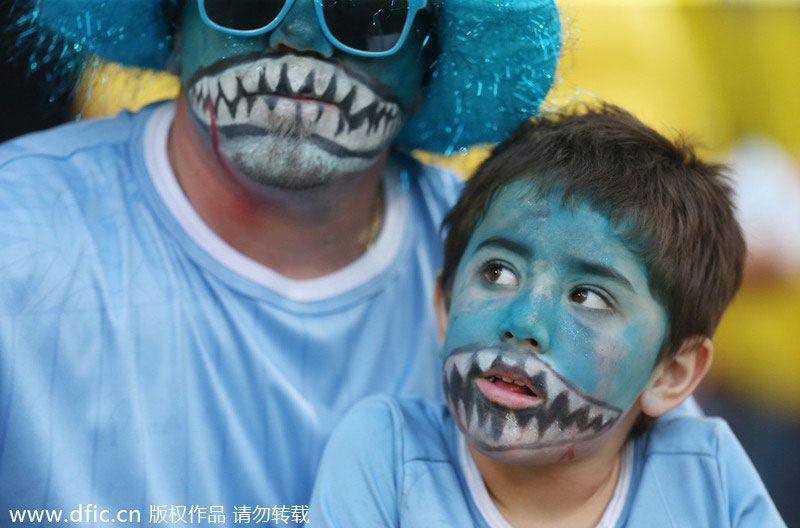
x: 553, y: 331
x: 289, y: 109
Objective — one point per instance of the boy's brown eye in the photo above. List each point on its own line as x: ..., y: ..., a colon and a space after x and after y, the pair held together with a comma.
x: 493, y: 273
x: 579, y: 296
x: 496, y: 273
x: 589, y: 299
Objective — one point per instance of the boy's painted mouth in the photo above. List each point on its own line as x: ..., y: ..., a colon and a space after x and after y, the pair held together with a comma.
x: 511, y: 387
x: 505, y: 398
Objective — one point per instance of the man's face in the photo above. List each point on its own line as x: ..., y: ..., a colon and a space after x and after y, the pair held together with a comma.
x: 552, y: 333
x: 287, y: 108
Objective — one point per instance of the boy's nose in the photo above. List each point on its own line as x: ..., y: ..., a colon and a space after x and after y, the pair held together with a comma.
x: 525, y: 324
x: 535, y: 341
x: 300, y: 32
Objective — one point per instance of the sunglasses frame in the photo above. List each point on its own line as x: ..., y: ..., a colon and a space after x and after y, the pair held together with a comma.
x: 414, y: 6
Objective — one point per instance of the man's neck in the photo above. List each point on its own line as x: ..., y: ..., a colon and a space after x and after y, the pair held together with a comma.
x: 300, y: 234
x: 564, y: 494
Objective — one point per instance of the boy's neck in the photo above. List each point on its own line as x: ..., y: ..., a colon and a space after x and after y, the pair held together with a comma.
x: 564, y: 494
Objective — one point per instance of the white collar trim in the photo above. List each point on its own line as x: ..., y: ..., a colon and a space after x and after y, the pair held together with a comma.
x: 358, y: 272
x: 493, y: 517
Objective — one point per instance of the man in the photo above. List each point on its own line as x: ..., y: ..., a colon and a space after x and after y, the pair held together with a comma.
x: 194, y: 294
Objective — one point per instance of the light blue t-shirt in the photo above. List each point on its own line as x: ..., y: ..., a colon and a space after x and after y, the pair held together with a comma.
x: 145, y: 363
x: 402, y: 462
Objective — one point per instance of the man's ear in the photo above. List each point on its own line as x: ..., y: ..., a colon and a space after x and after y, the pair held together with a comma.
x: 675, y: 379
x: 439, y: 307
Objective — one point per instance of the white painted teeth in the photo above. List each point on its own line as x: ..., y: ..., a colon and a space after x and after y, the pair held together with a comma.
x: 507, y: 380
x: 485, y: 359
x: 213, y: 88
x: 575, y: 401
x: 473, y: 418
x: 228, y: 86
x: 251, y: 78
x: 517, y: 382
x: 531, y: 367
x: 462, y: 363
x: 508, y: 360
x: 299, y: 74
x: 273, y: 73
x: 462, y: 414
x: 361, y: 101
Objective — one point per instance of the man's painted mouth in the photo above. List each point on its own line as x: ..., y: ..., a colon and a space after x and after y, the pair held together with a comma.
x: 505, y: 398
x: 296, y: 95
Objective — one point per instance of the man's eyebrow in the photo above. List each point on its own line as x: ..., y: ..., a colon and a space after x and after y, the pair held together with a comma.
x: 601, y: 270
x: 506, y: 243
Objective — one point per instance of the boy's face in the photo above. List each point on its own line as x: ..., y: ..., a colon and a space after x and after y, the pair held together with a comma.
x: 552, y: 333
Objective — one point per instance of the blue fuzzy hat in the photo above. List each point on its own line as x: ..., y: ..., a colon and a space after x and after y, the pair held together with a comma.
x: 496, y: 64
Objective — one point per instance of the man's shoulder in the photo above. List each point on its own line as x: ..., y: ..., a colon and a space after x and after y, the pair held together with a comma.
x: 65, y: 141
x: 71, y: 164
x: 438, y: 187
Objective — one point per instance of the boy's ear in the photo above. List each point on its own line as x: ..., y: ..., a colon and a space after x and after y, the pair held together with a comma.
x: 438, y: 306
x: 675, y: 379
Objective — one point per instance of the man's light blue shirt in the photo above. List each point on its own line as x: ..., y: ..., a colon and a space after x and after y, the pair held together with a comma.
x: 145, y: 363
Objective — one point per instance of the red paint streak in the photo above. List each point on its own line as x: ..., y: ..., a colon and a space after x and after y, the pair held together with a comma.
x: 568, y: 455
x: 214, y: 137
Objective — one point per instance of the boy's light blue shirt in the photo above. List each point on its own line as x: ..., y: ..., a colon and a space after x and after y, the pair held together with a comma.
x: 139, y: 370
x: 394, y: 462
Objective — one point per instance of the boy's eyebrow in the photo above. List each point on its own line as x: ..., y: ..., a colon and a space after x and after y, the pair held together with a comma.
x: 594, y: 268
x: 506, y: 243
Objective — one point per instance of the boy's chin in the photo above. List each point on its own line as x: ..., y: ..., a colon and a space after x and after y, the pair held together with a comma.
x: 537, y: 456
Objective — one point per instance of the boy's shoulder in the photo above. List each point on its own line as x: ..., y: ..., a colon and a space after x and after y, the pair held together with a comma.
x: 391, y: 462
x: 692, y: 471
x: 422, y: 427
x: 683, y: 435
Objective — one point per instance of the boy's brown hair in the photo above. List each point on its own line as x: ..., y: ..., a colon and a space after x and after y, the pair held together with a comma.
x: 673, y: 210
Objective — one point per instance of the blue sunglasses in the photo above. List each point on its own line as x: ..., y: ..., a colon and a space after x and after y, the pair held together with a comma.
x: 369, y: 28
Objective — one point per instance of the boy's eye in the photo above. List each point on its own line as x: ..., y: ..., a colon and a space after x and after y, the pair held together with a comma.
x: 496, y: 273
x: 589, y: 299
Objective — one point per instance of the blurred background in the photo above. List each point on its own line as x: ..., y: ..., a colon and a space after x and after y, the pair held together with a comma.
x: 726, y: 73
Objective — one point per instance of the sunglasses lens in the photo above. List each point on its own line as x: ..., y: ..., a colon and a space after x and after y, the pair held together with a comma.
x: 243, y: 15
x: 366, y: 25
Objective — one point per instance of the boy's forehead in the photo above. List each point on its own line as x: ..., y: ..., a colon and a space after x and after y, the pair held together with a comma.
x: 522, y: 208
x: 522, y: 212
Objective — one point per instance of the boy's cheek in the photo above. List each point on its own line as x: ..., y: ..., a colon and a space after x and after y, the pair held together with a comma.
x: 620, y: 382
x: 474, y: 320
x: 600, y: 364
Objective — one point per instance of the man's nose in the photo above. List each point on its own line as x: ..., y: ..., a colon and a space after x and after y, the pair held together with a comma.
x: 526, y: 322
x: 300, y: 32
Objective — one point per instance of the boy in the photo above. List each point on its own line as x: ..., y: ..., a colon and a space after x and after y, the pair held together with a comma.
x: 586, y: 267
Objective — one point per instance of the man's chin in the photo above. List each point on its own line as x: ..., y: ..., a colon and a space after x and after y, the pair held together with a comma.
x: 288, y: 161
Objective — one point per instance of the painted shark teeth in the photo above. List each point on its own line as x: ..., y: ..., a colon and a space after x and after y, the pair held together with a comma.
x: 485, y: 359
x: 565, y: 415
x: 349, y: 113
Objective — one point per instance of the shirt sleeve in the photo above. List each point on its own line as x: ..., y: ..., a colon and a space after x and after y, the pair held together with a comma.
x: 749, y: 503
x: 361, y: 469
